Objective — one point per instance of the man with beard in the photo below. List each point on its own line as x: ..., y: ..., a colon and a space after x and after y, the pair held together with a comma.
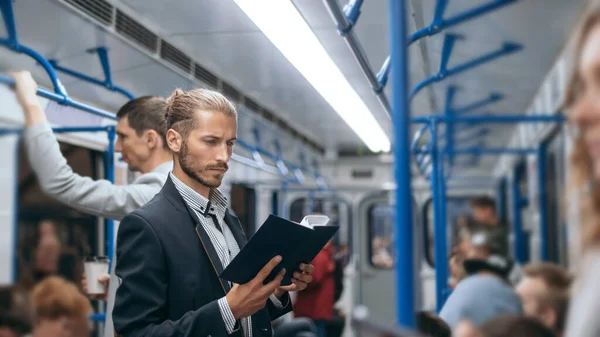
x: 171, y: 251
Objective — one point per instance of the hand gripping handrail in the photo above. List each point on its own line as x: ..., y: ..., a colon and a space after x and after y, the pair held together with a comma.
x: 62, y: 99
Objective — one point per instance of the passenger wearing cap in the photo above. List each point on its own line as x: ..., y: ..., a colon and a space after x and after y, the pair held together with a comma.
x: 484, y: 245
x: 486, y: 292
x: 485, y: 213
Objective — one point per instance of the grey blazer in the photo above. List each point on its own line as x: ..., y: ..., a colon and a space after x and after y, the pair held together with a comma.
x: 95, y: 197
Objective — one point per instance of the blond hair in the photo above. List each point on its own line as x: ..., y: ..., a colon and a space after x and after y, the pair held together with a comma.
x: 581, y: 172
x: 182, y: 106
x: 55, y: 297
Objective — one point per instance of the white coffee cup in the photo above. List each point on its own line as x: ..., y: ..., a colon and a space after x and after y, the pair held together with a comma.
x: 94, y: 267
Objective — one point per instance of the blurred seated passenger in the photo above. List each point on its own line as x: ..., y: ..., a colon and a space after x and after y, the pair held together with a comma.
x: 457, y: 271
x: 297, y: 327
x: 12, y: 325
x: 484, y: 294
x: 544, y: 292
x: 485, y: 213
x: 60, y: 309
x: 41, y: 255
x: 515, y: 326
x: 430, y: 325
x: 484, y: 243
x: 14, y: 321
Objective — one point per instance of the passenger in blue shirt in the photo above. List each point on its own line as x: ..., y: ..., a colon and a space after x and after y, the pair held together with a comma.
x: 483, y: 295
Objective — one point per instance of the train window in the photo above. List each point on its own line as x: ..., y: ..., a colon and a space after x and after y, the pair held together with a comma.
x: 381, y: 236
x: 339, y: 213
x: 69, y: 234
x: 456, y: 209
x: 243, y: 205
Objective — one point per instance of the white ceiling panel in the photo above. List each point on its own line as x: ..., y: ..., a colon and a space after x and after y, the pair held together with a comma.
x: 219, y: 36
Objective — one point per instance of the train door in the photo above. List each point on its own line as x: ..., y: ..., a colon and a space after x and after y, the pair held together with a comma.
x: 243, y: 205
x: 376, y: 289
x: 339, y: 211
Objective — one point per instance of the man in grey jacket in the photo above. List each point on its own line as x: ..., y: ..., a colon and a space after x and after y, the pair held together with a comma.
x: 141, y: 130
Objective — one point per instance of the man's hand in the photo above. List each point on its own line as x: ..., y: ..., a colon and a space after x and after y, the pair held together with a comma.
x: 104, y: 279
x: 246, y: 299
x: 26, y: 89
x: 300, y: 280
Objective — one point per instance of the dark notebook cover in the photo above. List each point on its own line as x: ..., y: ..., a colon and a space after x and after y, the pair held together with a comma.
x: 295, y: 243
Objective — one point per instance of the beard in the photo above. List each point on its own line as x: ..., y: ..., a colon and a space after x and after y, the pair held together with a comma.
x: 200, y: 173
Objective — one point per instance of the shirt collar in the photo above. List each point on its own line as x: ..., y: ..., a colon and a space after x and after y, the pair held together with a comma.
x: 215, y: 204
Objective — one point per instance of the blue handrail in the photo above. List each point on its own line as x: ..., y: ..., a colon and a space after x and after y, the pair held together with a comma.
x: 506, y: 49
x: 13, y: 43
x: 104, y: 62
x: 438, y: 24
x: 492, y: 98
x: 62, y: 99
x: 345, y: 24
x: 491, y: 119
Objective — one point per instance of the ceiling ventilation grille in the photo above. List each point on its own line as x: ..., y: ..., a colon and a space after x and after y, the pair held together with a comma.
x: 97, y: 9
x: 252, y: 105
x: 205, y: 76
x: 231, y: 92
x: 175, y: 56
x: 102, y: 12
x: 136, y: 32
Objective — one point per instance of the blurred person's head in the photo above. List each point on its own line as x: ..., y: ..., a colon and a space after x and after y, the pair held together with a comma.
x: 544, y: 292
x: 47, y: 254
x: 60, y: 309
x: 582, y: 101
x: 484, y: 210
x: 514, y: 326
x: 430, y: 325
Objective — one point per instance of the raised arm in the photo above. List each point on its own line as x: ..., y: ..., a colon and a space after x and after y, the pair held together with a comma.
x: 96, y: 197
x: 57, y: 179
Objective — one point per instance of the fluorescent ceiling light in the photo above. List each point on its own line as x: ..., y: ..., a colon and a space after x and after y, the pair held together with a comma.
x: 285, y: 27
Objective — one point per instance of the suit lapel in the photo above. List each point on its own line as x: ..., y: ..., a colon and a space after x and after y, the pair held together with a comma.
x: 173, y: 195
x: 236, y: 229
x: 209, y: 248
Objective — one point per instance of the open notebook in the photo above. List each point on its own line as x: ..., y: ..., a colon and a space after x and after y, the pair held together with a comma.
x: 295, y: 242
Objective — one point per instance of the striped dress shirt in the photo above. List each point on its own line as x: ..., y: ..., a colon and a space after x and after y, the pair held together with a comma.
x: 222, y: 239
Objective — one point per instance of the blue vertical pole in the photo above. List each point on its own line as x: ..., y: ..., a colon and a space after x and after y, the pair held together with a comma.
x: 541, y: 166
x: 110, y: 176
x: 520, y: 247
x: 441, y: 233
x: 439, y: 223
x: 405, y: 291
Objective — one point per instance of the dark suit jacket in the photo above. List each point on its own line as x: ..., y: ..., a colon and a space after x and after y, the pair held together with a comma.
x: 168, y: 269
